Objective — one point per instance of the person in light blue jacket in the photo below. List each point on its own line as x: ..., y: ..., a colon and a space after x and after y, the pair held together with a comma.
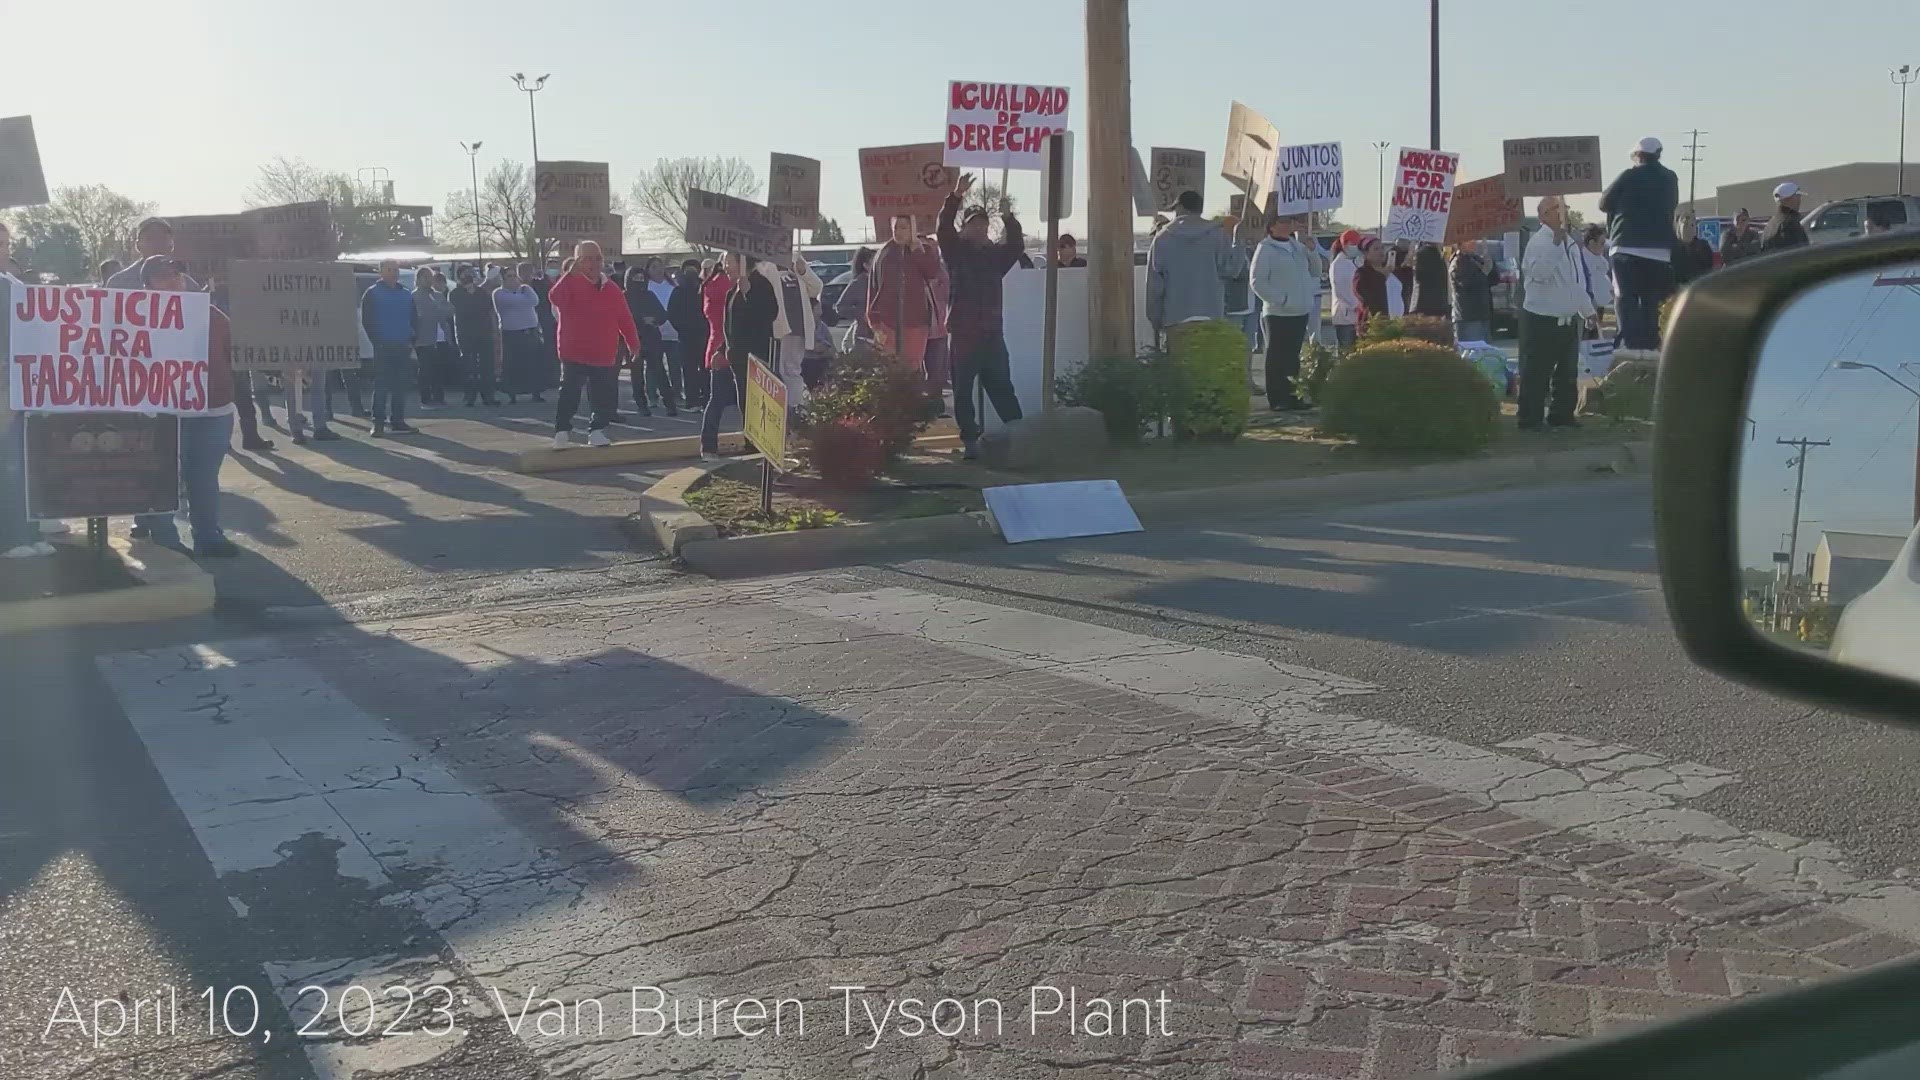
x: 1286, y: 278
x: 1188, y: 266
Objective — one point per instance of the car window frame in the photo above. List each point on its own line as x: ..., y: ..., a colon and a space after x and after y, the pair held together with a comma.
x: 1819, y: 224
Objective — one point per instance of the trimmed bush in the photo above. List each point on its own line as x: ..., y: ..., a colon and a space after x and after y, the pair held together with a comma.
x: 1129, y: 392
x: 1430, y: 328
x: 869, y: 385
x: 1410, y: 395
x: 1316, y: 364
x: 1211, y: 401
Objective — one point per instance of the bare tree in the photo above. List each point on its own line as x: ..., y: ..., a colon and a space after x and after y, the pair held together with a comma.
x: 660, y: 194
x: 505, y: 213
x: 293, y: 180
x: 96, y: 218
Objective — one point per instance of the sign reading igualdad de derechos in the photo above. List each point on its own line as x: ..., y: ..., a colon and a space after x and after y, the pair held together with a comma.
x: 293, y: 314
x: 1002, y: 125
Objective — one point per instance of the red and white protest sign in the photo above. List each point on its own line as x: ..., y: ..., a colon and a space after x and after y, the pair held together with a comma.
x: 1002, y: 125
x: 1422, y: 195
x: 80, y: 348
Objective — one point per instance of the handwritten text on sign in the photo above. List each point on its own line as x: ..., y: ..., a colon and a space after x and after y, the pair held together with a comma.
x: 1002, y: 125
x: 1422, y: 195
x: 1308, y: 178
x: 904, y: 180
x: 77, y: 348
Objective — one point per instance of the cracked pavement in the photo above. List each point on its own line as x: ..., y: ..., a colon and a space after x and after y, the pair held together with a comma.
x: 930, y: 781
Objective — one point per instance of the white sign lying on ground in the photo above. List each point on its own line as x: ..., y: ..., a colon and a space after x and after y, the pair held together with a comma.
x: 1059, y: 511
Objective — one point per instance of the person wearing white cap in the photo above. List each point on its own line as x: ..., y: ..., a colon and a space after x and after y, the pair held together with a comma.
x: 1640, y: 206
x: 1785, y: 232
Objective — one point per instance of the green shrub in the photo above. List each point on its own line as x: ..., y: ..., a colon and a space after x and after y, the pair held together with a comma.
x: 1127, y: 391
x: 868, y: 385
x: 1429, y: 328
x: 1410, y: 395
x: 1626, y: 393
x: 1210, y: 361
x: 1316, y: 364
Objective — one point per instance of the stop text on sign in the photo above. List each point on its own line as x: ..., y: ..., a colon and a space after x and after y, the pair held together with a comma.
x: 1002, y: 125
x: 78, y: 348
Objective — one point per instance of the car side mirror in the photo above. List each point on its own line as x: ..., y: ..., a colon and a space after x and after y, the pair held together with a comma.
x: 1787, y: 473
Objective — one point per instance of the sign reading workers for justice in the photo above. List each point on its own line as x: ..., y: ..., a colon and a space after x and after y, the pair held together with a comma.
x: 292, y: 315
x: 82, y: 348
x: 1422, y: 195
x: 1555, y: 165
x: 725, y: 223
x: 1002, y: 125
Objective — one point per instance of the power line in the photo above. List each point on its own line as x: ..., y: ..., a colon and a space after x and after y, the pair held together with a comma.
x: 1693, y: 167
x: 1804, y: 444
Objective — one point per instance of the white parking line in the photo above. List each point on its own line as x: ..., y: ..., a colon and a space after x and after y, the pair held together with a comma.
x: 1530, y: 609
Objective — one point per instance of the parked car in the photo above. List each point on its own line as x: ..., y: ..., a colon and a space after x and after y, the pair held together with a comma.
x: 1844, y: 219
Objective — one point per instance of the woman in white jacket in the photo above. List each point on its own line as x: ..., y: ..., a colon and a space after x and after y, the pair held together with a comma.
x: 1286, y: 278
x: 795, y: 322
x: 1346, y: 306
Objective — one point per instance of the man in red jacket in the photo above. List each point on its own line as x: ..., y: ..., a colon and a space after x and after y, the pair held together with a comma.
x: 593, y: 319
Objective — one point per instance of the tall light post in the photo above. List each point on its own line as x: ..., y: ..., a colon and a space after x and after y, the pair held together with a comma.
x: 1380, y: 188
x: 1433, y: 71
x: 531, y: 87
x: 1857, y: 365
x: 473, y: 164
x: 1903, y: 77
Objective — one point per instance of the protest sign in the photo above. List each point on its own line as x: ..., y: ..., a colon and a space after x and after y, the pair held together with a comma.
x: 208, y: 242
x: 905, y: 180
x: 1422, y: 195
x: 793, y: 188
x: 572, y: 201
x: 1174, y: 171
x: 1564, y: 165
x: 101, y: 464
x: 80, y: 348
x: 1144, y: 200
x: 292, y: 315
x: 21, y: 181
x: 1483, y: 208
x: 295, y: 231
x: 729, y: 224
x: 764, y: 420
x: 1002, y: 125
x: 1251, y: 142
x: 1307, y: 178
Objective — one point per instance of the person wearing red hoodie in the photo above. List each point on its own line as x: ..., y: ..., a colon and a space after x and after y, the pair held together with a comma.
x: 714, y: 286
x: 592, y: 320
x: 900, y: 305
x: 203, y: 438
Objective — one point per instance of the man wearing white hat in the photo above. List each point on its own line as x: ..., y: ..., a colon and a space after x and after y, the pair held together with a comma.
x: 1785, y: 231
x: 1640, y: 206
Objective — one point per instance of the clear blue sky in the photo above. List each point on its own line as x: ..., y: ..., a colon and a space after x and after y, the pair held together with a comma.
x: 399, y: 85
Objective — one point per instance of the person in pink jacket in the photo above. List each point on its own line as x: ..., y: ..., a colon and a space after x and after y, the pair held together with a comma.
x: 900, y: 294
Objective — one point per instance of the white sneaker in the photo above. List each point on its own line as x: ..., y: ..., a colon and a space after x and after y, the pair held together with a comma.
x: 55, y: 528
x: 598, y: 438
x: 562, y: 440
x: 709, y: 456
x: 27, y: 551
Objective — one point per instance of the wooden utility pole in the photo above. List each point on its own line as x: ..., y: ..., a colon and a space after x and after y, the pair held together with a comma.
x: 1803, y: 445
x: 1109, y: 180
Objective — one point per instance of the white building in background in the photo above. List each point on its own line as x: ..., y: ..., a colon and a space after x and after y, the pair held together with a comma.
x: 1847, y: 564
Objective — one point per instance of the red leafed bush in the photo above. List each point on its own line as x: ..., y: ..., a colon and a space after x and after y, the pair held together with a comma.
x: 847, y: 451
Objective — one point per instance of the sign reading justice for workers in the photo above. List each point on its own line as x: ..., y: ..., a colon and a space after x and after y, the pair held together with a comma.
x: 1565, y: 165
x: 1482, y: 209
x: 81, y: 348
x: 1422, y: 195
x: 907, y: 179
x: 1002, y: 125
x: 572, y: 201
x: 793, y: 188
x: 292, y: 314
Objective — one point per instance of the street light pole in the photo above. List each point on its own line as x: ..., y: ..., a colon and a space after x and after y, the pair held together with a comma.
x: 473, y: 164
x: 1433, y: 67
x: 1856, y: 365
x: 1903, y: 77
x: 531, y: 87
x: 1380, y: 187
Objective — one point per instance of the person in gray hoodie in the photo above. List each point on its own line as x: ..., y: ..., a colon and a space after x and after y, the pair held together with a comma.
x: 1286, y: 278
x: 1188, y: 266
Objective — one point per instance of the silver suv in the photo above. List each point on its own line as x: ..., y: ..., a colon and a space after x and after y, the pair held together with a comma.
x: 1843, y: 219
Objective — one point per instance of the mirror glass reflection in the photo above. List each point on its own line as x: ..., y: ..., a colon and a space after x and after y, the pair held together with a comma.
x: 1830, y: 474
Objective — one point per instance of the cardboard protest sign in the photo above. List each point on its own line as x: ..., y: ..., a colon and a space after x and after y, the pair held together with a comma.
x: 1174, y: 171
x: 101, y: 464
x: 1251, y: 143
x: 1308, y: 178
x: 207, y: 243
x: 793, y: 188
x: 292, y: 315
x: 572, y: 201
x: 1566, y: 165
x: 1422, y: 195
x: 80, y: 348
x: 294, y: 231
x: 1144, y: 200
x: 730, y: 224
x: 764, y: 420
x: 1002, y: 125
x: 905, y: 180
x: 21, y: 181
x: 1482, y: 209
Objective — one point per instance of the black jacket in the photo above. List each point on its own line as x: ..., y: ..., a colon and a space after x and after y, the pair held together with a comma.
x: 1640, y: 204
x: 683, y: 308
x: 1472, y: 288
x: 473, y: 315
x: 645, y: 306
x: 1430, y: 284
x: 1784, y: 231
x: 1735, y: 246
x: 749, y: 319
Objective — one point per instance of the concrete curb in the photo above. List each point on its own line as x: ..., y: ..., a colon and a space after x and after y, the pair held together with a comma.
x: 681, y: 532
x: 545, y: 459
x: 171, y: 586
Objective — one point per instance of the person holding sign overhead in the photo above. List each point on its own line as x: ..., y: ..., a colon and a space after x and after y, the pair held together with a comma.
x: 974, y: 321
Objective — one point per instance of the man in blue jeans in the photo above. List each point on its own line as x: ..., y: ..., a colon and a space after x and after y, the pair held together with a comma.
x: 203, y: 437
x: 388, y: 315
